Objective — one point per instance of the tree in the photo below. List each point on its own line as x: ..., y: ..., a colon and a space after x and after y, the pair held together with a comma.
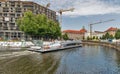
x: 65, y: 36
x: 111, y: 37
x: 39, y: 25
x: 25, y: 24
x: 103, y: 37
x: 100, y: 37
x: 117, y: 34
x: 88, y: 38
x: 96, y: 38
x: 107, y: 35
x: 93, y: 37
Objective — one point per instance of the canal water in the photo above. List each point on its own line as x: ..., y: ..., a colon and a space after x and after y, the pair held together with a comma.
x: 83, y: 60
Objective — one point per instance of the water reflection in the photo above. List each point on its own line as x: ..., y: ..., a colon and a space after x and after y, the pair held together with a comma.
x: 29, y: 65
x: 84, y: 60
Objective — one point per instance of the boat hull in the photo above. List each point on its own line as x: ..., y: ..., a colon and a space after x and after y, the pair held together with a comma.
x: 57, y: 49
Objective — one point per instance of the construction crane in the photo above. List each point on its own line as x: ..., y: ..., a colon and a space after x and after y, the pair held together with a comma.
x: 98, y: 23
x: 64, y: 10
x: 47, y: 5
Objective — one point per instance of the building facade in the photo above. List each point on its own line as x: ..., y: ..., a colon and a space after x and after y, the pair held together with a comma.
x: 10, y: 11
x: 75, y: 34
x: 111, y: 31
x: 98, y: 34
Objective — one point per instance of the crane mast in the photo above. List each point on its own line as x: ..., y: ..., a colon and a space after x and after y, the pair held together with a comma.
x: 64, y: 10
x: 47, y: 5
x: 61, y: 10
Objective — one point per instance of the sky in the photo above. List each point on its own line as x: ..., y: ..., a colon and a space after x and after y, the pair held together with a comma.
x: 86, y: 12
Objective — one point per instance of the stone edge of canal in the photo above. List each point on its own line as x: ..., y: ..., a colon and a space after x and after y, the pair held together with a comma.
x: 115, y: 45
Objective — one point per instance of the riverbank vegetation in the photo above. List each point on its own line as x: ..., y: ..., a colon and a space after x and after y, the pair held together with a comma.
x: 39, y: 25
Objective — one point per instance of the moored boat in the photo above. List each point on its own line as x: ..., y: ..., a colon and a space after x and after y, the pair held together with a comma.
x: 59, y: 46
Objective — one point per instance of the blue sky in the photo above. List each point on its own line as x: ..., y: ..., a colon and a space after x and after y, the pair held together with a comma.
x: 86, y: 12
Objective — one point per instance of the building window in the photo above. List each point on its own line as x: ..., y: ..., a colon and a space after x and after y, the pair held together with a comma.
x: 5, y: 28
x: 18, y: 10
x: 5, y: 9
x: 0, y: 14
x: 1, y: 34
x: 18, y: 5
x: 5, y: 14
x: 12, y: 24
x: 18, y: 15
x: 12, y: 4
x: 5, y: 4
x: 5, y: 24
x: 0, y: 24
x: 11, y: 19
x: 12, y: 15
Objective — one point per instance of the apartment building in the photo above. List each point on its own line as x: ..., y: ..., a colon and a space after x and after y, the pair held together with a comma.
x: 11, y: 10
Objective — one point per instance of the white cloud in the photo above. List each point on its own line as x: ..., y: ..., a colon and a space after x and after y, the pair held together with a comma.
x: 84, y: 7
x: 94, y: 7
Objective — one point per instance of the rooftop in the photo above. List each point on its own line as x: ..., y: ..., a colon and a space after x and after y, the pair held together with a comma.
x: 111, y: 29
x: 75, y: 31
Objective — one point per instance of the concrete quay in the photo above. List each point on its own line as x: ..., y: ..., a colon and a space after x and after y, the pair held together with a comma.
x: 114, y: 45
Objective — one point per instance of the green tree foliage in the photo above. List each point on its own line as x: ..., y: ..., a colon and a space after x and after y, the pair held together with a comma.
x: 100, y: 38
x: 103, y: 37
x: 39, y: 25
x: 117, y: 34
x: 107, y: 35
x: 65, y: 36
x: 111, y: 37
x: 96, y: 38
x: 93, y: 37
x: 88, y: 38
